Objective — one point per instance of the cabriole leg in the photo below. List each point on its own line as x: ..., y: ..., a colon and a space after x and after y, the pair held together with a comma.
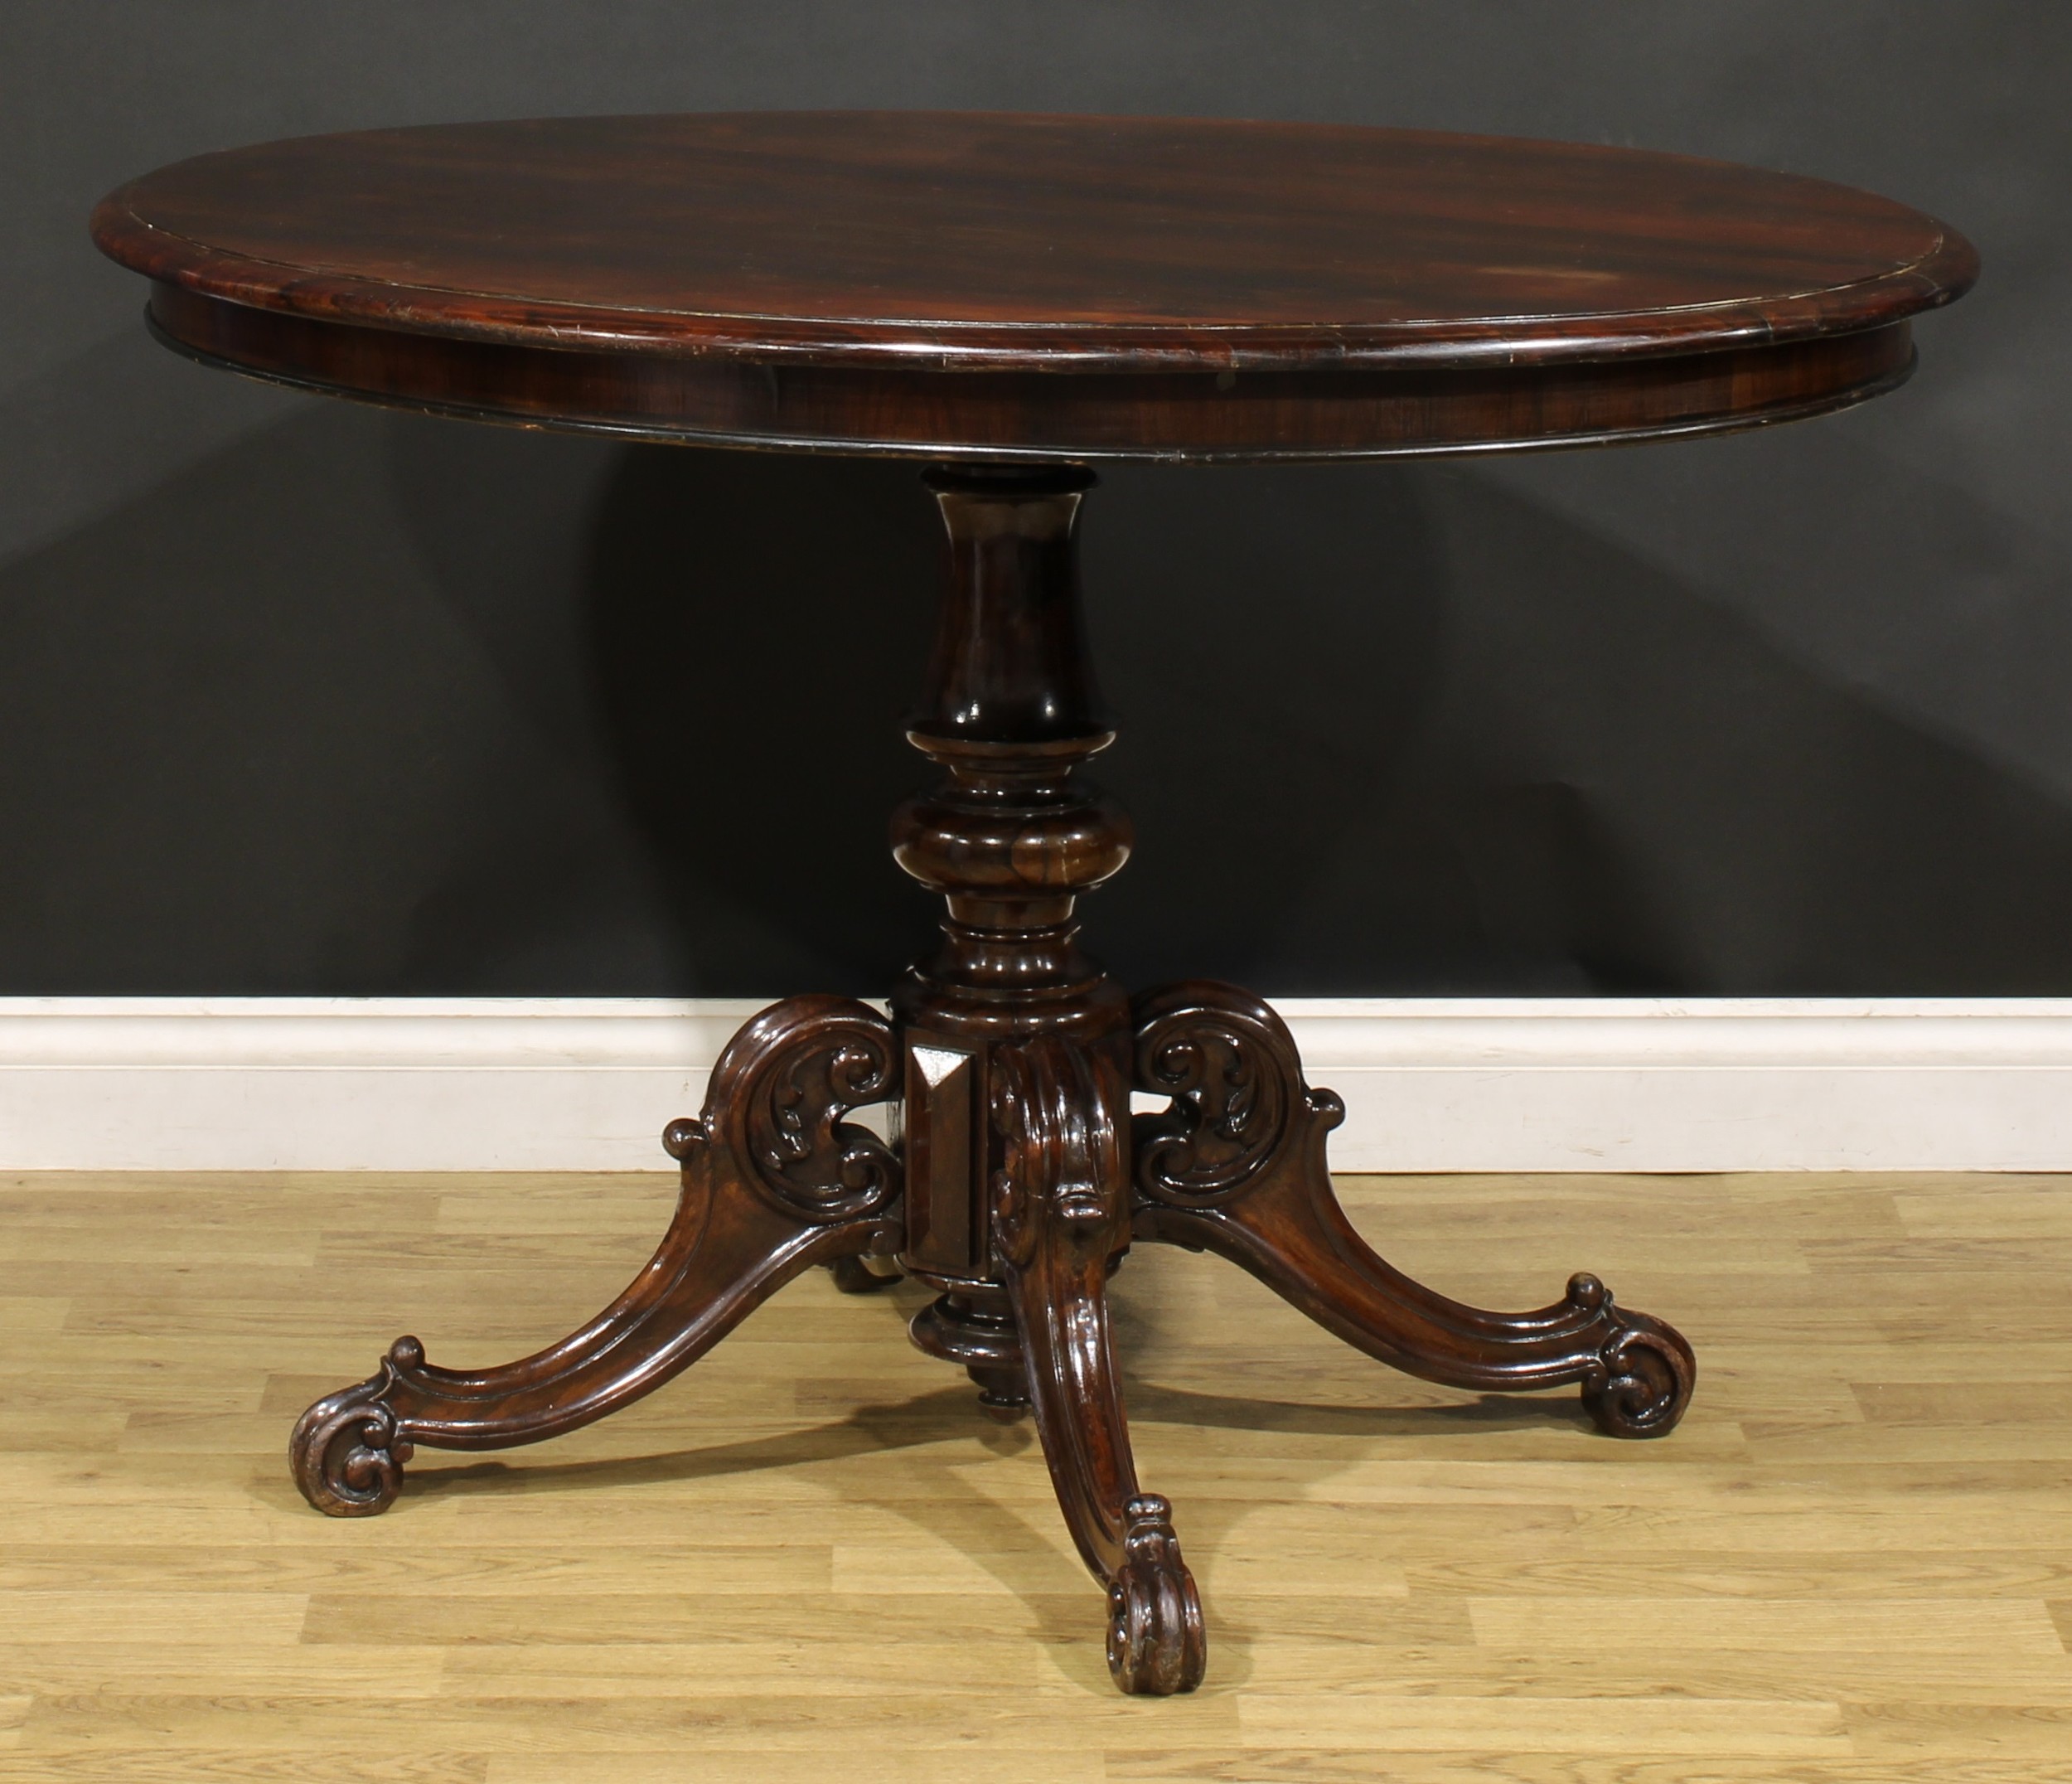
x: 1236, y: 1165
x: 1060, y: 1214
x: 773, y: 1182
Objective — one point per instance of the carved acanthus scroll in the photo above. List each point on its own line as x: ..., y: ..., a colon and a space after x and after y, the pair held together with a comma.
x: 1235, y: 1164
x: 773, y: 1181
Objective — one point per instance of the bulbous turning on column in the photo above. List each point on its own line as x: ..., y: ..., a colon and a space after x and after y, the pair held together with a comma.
x: 1010, y: 710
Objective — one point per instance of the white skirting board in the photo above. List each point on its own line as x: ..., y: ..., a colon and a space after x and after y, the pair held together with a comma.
x: 1430, y: 1085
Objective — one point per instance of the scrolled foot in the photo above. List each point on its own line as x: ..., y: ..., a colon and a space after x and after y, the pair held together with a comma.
x: 1157, y: 1643
x: 1235, y: 1165
x: 774, y: 1182
x: 346, y: 1451
x: 1641, y: 1380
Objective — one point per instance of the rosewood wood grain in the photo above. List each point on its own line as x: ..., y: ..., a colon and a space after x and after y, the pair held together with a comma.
x: 990, y: 241
x: 1197, y: 417
x: 1011, y: 839
x: 939, y: 285
x: 1020, y: 1178
x: 1010, y: 298
x: 1018, y: 1046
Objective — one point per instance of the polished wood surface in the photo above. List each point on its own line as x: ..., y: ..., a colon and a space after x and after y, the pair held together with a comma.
x: 1101, y: 287
x: 1067, y: 288
x: 763, y: 1198
x: 999, y: 242
x: 1020, y: 1177
x: 1852, y: 1565
x: 1236, y: 1165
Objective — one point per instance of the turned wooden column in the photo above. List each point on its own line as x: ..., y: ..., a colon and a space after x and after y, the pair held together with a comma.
x: 1017, y: 1051
x: 1014, y: 835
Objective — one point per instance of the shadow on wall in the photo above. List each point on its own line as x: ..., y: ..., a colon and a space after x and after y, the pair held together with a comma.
x: 379, y: 705
x: 760, y: 624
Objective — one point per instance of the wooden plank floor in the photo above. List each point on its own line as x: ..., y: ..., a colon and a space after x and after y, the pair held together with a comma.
x: 811, y: 1559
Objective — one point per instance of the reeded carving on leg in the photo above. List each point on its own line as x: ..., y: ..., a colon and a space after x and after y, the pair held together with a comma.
x: 1236, y: 1165
x: 1060, y: 1216
x: 773, y: 1181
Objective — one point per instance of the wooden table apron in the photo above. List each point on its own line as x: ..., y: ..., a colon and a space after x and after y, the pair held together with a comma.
x: 1012, y: 299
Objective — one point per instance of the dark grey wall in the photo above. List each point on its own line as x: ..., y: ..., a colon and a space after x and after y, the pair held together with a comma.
x: 300, y: 697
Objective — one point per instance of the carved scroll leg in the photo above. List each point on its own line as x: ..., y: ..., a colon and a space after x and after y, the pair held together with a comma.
x: 1236, y: 1165
x: 773, y: 1182
x: 1059, y: 1215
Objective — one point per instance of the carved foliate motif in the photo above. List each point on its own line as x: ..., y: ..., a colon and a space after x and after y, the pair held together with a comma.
x: 1639, y: 1382
x: 345, y: 1452
x: 1231, y: 1069
x: 1236, y: 1165
x: 1024, y: 1176
x: 1062, y: 1143
x: 777, y: 1097
x: 773, y: 1182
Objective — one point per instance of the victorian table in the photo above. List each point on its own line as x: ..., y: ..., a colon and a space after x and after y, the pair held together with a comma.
x: 1012, y: 299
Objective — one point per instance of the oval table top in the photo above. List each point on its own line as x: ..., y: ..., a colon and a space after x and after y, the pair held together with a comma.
x: 985, y: 284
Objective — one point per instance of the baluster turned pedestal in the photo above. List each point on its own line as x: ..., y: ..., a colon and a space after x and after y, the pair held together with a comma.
x: 1019, y: 1179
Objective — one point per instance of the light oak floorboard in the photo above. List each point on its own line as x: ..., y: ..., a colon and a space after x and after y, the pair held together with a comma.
x: 811, y: 1559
